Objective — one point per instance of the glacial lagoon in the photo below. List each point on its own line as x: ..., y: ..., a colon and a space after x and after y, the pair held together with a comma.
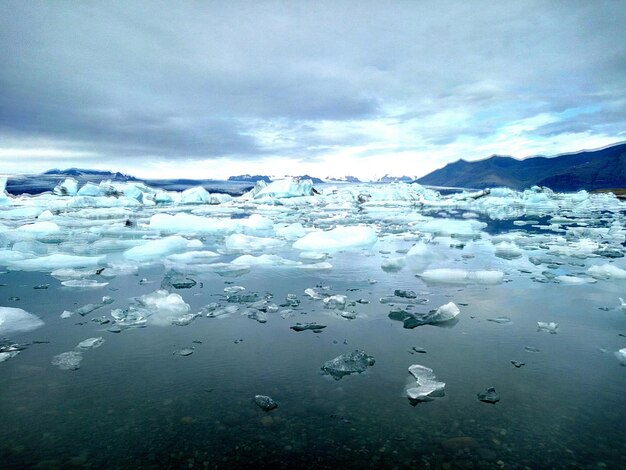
x: 149, y: 321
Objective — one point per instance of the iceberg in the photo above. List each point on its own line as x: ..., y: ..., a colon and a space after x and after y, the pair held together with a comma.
x: 461, y: 276
x: 54, y: 262
x: 428, y: 388
x: 606, y: 271
x: 68, y: 360
x: 340, y: 238
x: 163, y: 307
x: 621, y: 356
x: 349, y: 363
x: 157, y: 249
x: 16, y: 320
x: 285, y: 189
x: 69, y: 187
x: 240, y: 242
x: 90, y: 343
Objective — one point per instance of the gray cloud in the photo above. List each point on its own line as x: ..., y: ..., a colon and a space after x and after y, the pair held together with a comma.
x: 179, y: 80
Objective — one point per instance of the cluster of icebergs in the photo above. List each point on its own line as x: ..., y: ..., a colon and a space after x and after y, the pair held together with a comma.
x: 87, y: 235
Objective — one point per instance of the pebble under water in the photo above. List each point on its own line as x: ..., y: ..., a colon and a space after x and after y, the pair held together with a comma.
x: 168, y: 356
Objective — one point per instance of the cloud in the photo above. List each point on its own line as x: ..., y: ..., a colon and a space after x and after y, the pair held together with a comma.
x: 264, y: 81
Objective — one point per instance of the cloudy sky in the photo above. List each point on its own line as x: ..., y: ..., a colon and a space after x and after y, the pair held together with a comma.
x: 209, y: 89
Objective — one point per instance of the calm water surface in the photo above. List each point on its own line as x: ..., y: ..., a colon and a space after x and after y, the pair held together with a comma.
x: 134, y: 404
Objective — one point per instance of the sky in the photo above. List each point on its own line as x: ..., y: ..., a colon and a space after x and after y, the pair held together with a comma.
x: 212, y: 89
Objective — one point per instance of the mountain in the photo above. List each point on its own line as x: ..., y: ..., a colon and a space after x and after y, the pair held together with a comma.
x: 596, y: 169
x: 36, y: 184
x: 250, y: 178
x: 395, y: 179
x: 308, y: 177
x: 345, y: 179
x: 89, y: 174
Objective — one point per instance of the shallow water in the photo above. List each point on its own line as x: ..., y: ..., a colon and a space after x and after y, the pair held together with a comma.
x: 133, y: 403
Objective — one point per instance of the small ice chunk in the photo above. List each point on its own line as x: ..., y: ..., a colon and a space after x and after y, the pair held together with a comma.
x: 340, y: 238
x: 606, y: 271
x: 335, y: 302
x: 183, y: 352
x: 349, y: 363
x: 427, y: 387
x: 461, y: 276
x: 574, y: 280
x: 292, y: 231
x: 233, y: 289
x: 69, y: 187
x: 157, y: 249
x: 392, y: 265
x: 84, y: 283
x: 500, y: 320
x: 185, y: 320
x: 308, y: 326
x: 90, y: 343
x: 489, y: 396
x: 68, y: 360
x: 88, y: 308
x: 265, y: 403
x: 507, y: 250
x: 164, y: 306
x: 240, y: 242
x: 16, y: 320
x: 6, y: 355
x: 312, y: 293
x: 550, y: 327
x: 623, y: 304
x: 621, y: 356
x: 447, y: 312
x: 313, y: 256
x: 55, y: 261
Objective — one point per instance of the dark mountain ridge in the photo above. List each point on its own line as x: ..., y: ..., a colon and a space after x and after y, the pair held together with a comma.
x: 589, y: 169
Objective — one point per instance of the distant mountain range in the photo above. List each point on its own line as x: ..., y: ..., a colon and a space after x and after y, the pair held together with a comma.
x: 250, y: 178
x: 596, y: 169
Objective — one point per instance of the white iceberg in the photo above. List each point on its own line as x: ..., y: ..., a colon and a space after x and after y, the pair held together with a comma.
x: 340, y: 238
x: 428, y: 387
x: 286, y: 188
x: 607, y: 271
x: 164, y: 307
x: 157, y: 249
x: 16, y: 320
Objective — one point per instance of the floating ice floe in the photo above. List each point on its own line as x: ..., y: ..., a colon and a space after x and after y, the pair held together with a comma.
x: 427, y: 387
x: 265, y: 403
x: 90, y: 343
x: 550, y: 327
x: 16, y: 320
x: 461, y: 276
x: 607, y: 271
x: 157, y: 249
x: 286, y: 188
x: 240, y: 242
x: 88, y: 308
x: 349, y: 363
x: 84, y: 283
x: 340, y: 238
x: 445, y: 314
x: 54, y: 262
x: 68, y: 360
x: 337, y: 302
x: 489, y: 396
x: 621, y: 356
x: 163, y: 307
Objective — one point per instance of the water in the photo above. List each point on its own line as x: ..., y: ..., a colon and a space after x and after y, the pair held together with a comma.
x: 135, y: 404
